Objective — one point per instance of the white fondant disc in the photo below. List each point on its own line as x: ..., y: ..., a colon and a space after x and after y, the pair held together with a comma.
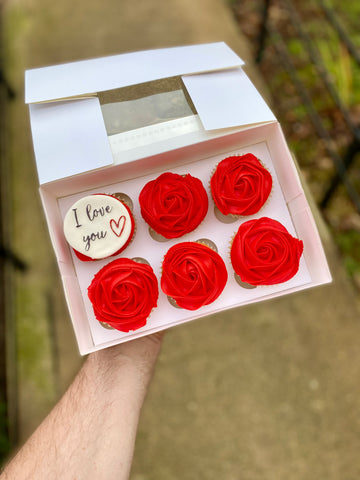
x: 97, y: 226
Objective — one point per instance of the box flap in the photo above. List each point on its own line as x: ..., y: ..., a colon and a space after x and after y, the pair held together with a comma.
x: 227, y: 99
x: 69, y: 134
x: 107, y: 73
x: 69, y: 137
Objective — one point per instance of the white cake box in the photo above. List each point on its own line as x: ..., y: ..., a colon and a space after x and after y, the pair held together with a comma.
x: 77, y: 154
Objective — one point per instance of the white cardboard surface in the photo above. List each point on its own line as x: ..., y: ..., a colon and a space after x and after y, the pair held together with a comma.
x: 107, y: 73
x: 227, y: 99
x: 69, y: 137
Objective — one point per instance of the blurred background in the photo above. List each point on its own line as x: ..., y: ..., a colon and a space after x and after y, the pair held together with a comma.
x: 309, y: 54
x: 268, y: 391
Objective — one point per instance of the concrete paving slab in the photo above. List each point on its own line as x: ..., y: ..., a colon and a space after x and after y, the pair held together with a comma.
x: 267, y: 391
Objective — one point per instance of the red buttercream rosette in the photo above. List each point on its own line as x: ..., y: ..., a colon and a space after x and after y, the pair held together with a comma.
x: 193, y: 275
x: 264, y: 253
x: 173, y: 204
x: 123, y: 293
x: 240, y: 185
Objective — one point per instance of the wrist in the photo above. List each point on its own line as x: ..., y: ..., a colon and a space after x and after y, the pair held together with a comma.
x: 131, y: 362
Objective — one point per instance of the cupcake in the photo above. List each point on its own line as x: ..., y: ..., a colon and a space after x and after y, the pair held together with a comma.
x: 264, y: 253
x: 123, y: 294
x: 173, y: 204
x: 193, y: 275
x: 240, y: 185
x: 98, y: 226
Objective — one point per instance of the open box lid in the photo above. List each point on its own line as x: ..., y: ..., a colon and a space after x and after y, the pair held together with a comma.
x: 67, y: 124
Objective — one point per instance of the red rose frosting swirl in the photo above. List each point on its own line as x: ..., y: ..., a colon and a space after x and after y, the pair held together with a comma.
x: 264, y: 253
x: 173, y: 204
x: 193, y: 275
x: 123, y: 293
x: 240, y: 185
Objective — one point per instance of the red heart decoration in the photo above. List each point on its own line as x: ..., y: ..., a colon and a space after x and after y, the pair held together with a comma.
x: 118, y: 226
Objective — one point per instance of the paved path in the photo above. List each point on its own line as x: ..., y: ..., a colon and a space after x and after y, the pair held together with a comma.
x: 263, y: 392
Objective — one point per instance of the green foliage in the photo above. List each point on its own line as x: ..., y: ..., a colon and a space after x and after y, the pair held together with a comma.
x: 295, y: 47
x: 339, y: 66
x: 300, y: 111
x: 343, y: 69
x: 349, y: 244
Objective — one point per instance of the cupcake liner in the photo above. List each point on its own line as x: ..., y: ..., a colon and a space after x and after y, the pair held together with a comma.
x: 124, y: 198
x: 242, y: 284
x: 208, y: 243
x: 157, y: 236
x: 107, y: 326
x: 173, y: 303
x: 225, y: 218
x: 141, y: 260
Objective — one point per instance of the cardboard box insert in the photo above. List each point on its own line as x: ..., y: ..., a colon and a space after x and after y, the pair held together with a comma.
x: 180, y: 146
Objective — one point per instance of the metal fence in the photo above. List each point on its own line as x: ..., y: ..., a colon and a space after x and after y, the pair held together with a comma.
x: 271, y: 34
